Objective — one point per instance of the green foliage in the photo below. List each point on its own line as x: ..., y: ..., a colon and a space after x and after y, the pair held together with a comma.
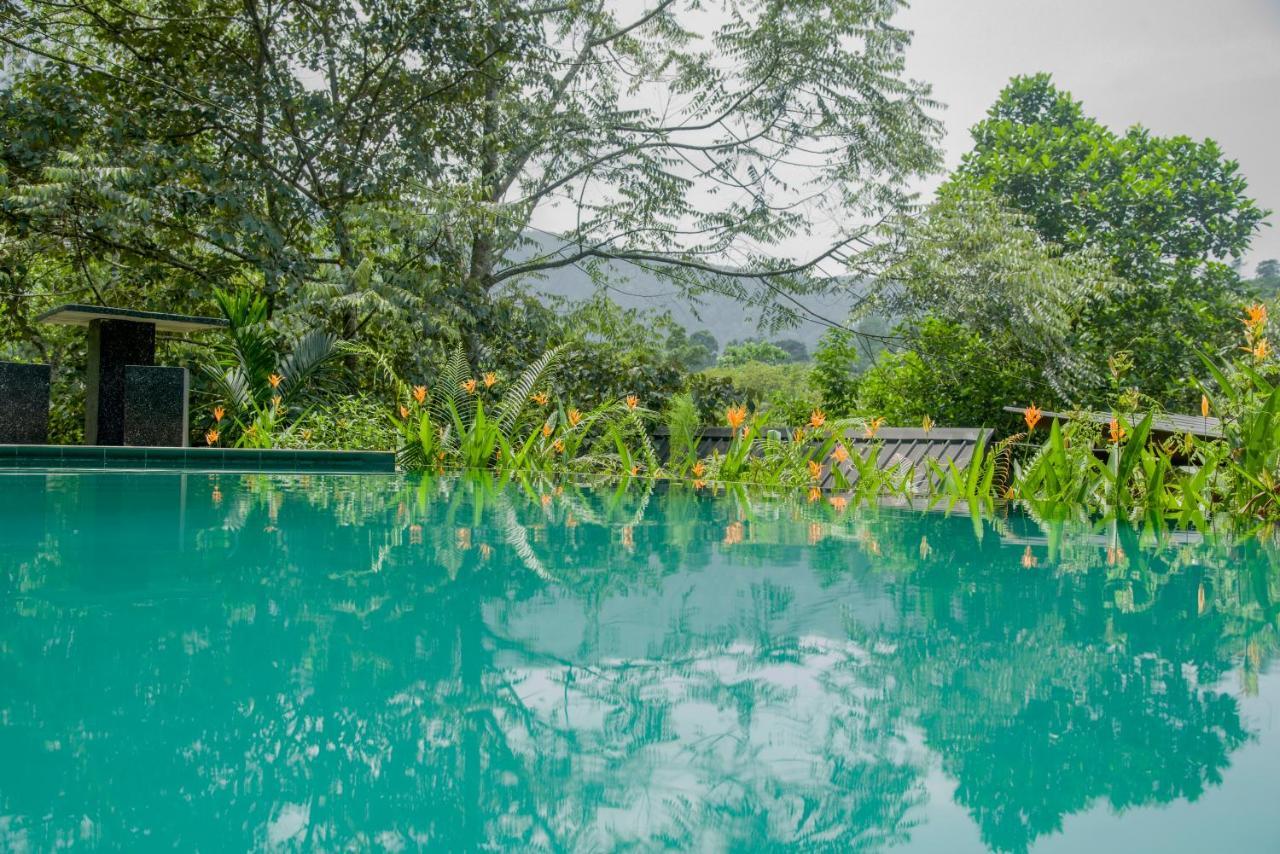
x: 782, y: 389
x: 838, y: 362
x: 1148, y: 203
x: 953, y: 376
x: 742, y: 352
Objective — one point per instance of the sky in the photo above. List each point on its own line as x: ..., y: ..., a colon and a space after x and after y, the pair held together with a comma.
x: 1204, y: 68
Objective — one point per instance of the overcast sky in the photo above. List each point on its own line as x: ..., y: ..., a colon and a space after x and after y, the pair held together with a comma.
x: 1205, y: 68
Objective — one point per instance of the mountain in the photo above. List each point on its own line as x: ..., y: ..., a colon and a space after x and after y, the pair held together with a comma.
x: 726, y: 318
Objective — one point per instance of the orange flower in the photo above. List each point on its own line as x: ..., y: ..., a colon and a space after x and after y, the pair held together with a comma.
x: 545, y: 499
x: 1261, y: 350
x: 404, y: 411
x: 839, y: 502
x: 817, y: 418
x: 490, y: 379
x: 798, y: 434
x: 559, y: 446
x: 1029, y: 560
x: 1204, y: 405
x: 275, y: 380
x: 736, y: 415
x: 926, y: 425
x: 1032, y: 416
x: 815, y: 494
x: 211, y: 437
x: 632, y: 401
x: 541, y: 398
x: 873, y: 427
x: 575, y: 417
x: 218, y: 413
x: 275, y: 401
x: 699, y: 468
x: 469, y: 386
x: 698, y: 484
x: 840, y: 454
x: 546, y: 431
x: 1255, y: 316
x: 1117, y: 431
x: 635, y: 470
x: 815, y: 470
x: 420, y: 394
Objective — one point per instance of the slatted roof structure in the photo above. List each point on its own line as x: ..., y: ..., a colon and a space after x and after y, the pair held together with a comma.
x: 1161, y: 425
x: 906, y: 450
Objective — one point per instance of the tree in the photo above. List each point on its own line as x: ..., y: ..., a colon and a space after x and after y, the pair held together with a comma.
x: 742, y: 352
x: 795, y: 349
x: 951, y: 374
x: 284, y: 144
x: 1166, y: 214
x: 1149, y: 203
x: 982, y: 267
x: 1266, y: 280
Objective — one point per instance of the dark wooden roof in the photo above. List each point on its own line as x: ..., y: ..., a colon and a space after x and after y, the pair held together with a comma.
x: 75, y: 314
x: 907, y: 449
x: 1162, y: 424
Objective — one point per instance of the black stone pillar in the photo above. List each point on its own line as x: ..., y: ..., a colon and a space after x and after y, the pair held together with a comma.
x: 24, y: 404
x: 155, y: 406
x: 113, y: 344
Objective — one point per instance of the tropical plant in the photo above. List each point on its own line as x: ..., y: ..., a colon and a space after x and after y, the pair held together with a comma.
x: 259, y: 384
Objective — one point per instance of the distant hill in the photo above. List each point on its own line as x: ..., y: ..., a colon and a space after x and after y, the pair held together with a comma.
x: 726, y: 318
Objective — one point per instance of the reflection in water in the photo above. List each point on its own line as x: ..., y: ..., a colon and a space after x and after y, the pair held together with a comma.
x: 235, y: 662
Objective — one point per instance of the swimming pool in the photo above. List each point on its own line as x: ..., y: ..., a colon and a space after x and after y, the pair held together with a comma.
x: 226, y: 662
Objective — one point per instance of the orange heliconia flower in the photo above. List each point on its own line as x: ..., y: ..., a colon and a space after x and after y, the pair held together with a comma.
x: 815, y: 494
x: 839, y: 502
x: 1032, y: 416
x: 840, y: 454
x: 1029, y: 560
x: 420, y: 394
x: 635, y: 470
x: 559, y: 446
x: 733, y: 533
x: 817, y: 418
x: 575, y: 417
x: 211, y: 437
x: 490, y: 379
x: 698, y: 484
x: 1204, y: 405
x: 218, y: 413
x: 926, y: 425
x: 699, y: 468
x: 632, y: 401
x: 469, y: 386
x: 275, y: 380
x: 1255, y: 316
x: 404, y: 411
x: 546, y: 431
x: 275, y: 401
x: 1117, y: 431
x: 815, y: 470
x: 798, y: 434
x: 541, y: 398
x: 736, y: 415
x: 873, y: 427
x: 1261, y: 350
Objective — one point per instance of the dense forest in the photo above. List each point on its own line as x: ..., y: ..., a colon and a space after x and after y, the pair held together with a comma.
x: 372, y: 186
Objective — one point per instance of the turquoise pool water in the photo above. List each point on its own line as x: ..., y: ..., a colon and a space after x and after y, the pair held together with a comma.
x: 218, y: 662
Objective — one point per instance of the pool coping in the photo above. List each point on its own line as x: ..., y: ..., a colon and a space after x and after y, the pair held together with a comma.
x: 113, y: 458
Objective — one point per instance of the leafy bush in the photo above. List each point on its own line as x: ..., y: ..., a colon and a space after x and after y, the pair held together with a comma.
x: 953, y: 376
x: 782, y: 390
x: 745, y: 352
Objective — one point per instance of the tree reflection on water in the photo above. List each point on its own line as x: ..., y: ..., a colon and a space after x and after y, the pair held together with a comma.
x: 239, y: 661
